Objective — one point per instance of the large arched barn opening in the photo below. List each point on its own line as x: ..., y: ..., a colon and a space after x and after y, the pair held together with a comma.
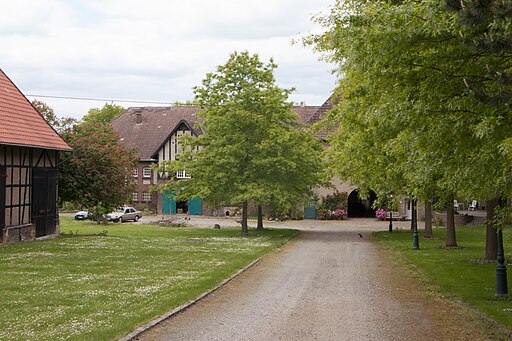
x: 360, y: 208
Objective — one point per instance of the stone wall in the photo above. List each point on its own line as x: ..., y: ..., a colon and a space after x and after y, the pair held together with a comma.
x: 460, y: 219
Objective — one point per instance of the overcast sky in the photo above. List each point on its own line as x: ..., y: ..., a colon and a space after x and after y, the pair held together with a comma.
x: 152, y: 50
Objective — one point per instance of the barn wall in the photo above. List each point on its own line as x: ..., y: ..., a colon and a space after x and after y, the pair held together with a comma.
x: 18, y: 162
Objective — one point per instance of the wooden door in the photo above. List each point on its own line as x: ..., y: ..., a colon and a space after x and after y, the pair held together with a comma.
x: 195, y: 206
x: 310, y: 210
x: 44, y: 200
x: 168, y: 203
x: 3, y: 176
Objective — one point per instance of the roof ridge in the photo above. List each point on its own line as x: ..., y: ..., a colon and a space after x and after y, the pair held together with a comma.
x: 19, y: 110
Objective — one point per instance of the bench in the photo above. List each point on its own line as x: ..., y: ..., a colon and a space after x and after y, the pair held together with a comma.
x: 394, y: 216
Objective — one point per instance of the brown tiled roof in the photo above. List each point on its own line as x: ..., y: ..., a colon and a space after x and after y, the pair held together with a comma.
x: 318, y: 116
x: 21, y: 124
x: 305, y: 112
x: 158, y: 123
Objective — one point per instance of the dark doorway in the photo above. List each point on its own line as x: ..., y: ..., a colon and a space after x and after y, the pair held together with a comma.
x: 360, y: 208
x: 182, y: 206
x: 44, y: 200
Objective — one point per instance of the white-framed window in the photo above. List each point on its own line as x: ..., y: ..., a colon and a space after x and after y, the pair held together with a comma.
x: 146, y: 172
x: 135, y: 196
x: 182, y: 175
x: 146, y: 196
x: 135, y: 172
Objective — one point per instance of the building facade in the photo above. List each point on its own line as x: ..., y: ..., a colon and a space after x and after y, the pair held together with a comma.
x: 29, y: 157
x: 154, y: 132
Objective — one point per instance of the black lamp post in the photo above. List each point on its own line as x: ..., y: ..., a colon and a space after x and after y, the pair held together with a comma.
x: 414, y: 223
x: 501, y: 268
x: 390, y: 214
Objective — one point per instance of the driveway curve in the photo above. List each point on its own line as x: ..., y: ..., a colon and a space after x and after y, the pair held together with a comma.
x: 329, y: 283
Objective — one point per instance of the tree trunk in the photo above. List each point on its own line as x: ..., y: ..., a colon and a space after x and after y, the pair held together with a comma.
x: 244, y: 219
x: 428, y: 219
x: 260, y: 218
x: 491, y: 240
x: 451, y: 240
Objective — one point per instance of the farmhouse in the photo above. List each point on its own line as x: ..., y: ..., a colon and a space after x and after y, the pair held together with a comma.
x: 29, y: 156
x: 154, y: 132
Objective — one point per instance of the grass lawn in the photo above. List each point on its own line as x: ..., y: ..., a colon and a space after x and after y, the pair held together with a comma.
x: 459, y: 273
x: 100, y: 287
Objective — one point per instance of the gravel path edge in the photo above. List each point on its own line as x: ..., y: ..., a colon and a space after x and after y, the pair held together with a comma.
x: 187, y: 305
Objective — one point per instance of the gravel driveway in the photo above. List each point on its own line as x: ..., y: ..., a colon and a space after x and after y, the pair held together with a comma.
x: 327, y: 284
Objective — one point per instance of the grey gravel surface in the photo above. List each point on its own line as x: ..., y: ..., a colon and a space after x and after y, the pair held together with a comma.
x: 327, y: 284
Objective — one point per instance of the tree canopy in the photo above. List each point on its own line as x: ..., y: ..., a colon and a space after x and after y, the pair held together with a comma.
x: 59, y: 124
x: 407, y: 120
x: 104, y: 115
x: 99, y: 173
x: 251, y: 149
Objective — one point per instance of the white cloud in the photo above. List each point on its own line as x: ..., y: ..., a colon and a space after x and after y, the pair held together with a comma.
x: 154, y: 50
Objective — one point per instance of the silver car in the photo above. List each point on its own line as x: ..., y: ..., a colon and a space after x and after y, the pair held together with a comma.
x: 124, y: 214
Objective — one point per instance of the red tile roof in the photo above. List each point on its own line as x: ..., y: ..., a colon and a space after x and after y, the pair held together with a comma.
x: 21, y: 124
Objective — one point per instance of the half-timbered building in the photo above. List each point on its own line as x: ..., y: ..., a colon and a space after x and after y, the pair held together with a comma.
x: 29, y: 156
x: 154, y: 133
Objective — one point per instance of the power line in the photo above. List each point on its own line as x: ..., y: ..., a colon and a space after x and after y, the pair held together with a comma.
x: 103, y: 99
x: 175, y: 103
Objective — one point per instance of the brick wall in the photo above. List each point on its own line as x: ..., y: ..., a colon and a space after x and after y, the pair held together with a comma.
x: 20, y: 233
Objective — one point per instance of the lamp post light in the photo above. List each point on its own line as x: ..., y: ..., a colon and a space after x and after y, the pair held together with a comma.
x: 390, y: 216
x: 501, y: 268
x: 414, y: 223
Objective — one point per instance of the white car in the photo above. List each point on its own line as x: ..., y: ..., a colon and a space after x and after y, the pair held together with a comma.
x: 82, y: 215
x: 124, y: 214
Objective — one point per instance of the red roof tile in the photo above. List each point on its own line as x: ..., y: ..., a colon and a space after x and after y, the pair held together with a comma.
x: 21, y: 124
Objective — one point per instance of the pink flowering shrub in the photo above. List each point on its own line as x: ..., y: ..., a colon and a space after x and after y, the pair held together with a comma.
x: 380, y: 213
x: 333, y: 206
x: 331, y: 215
x: 338, y: 214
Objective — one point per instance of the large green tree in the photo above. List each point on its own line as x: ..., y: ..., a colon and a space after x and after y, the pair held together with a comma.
x: 403, y: 70
x: 251, y: 149
x: 486, y: 32
x: 99, y: 173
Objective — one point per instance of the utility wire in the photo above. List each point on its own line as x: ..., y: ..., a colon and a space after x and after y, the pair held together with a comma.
x: 175, y: 103
x: 105, y: 99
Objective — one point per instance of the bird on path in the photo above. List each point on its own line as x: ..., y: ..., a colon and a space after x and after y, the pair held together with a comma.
x: 360, y: 235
